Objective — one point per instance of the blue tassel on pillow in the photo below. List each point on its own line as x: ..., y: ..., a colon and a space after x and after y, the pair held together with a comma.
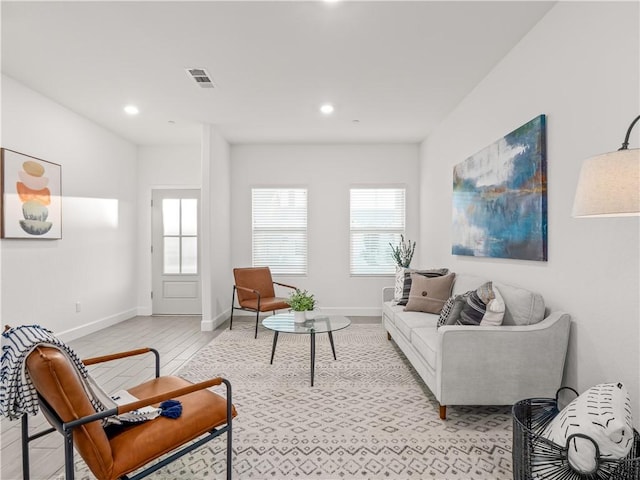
x: 171, y: 408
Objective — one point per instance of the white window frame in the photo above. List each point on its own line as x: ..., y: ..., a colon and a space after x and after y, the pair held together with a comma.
x: 180, y: 235
x: 278, y: 230
x: 377, y: 231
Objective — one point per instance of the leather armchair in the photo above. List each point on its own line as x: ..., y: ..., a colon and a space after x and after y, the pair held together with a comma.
x: 255, y: 290
x: 112, y: 453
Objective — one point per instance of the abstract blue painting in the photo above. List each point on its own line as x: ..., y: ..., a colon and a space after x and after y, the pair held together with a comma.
x: 500, y: 197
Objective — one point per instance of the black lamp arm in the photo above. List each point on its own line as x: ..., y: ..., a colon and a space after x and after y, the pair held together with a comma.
x: 625, y: 144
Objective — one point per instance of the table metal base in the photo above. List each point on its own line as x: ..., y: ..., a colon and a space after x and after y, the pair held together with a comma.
x: 313, y: 350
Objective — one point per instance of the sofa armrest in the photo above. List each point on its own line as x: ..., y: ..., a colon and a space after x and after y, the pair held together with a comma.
x: 501, y: 365
x: 387, y: 294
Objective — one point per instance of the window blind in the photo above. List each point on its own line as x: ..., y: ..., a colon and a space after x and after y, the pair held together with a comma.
x: 279, y: 219
x: 377, y: 219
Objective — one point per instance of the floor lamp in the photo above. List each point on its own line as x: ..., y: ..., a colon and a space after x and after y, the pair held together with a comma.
x: 609, y: 184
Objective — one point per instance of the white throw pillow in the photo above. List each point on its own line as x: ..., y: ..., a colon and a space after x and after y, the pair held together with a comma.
x: 603, y: 413
x: 494, y: 314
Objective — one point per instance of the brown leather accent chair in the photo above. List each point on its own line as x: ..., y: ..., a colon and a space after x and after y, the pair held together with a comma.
x: 255, y: 290
x: 115, y: 451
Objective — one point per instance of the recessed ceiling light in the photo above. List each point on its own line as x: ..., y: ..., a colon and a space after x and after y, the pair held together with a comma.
x: 326, y: 109
x: 131, y: 110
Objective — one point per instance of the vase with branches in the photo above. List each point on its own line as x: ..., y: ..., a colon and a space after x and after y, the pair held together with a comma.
x: 403, y: 252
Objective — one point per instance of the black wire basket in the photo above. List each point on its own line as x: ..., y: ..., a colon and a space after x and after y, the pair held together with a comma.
x: 537, y: 458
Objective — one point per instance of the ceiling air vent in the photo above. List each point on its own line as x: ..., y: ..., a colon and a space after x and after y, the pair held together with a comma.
x: 201, y: 77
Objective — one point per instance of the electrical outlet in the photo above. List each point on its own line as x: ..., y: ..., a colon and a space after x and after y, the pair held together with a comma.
x: 78, y: 308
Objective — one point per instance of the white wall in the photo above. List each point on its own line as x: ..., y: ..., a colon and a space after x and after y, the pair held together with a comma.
x: 160, y: 167
x: 94, y: 262
x: 216, y: 239
x: 579, y: 66
x: 328, y: 171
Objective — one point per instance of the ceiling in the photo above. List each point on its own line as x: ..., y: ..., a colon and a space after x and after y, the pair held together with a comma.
x: 392, y: 69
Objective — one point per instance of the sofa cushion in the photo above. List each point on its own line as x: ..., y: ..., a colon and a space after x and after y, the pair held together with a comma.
x: 407, y: 321
x: 406, y: 289
x: 456, y: 304
x: 475, y: 309
x: 472, y: 311
x: 389, y: 310
x: 522, y: 307
x: 425, y: 341
x: 429, y: 294
x: 446, y: 310
x: 465, y: 282
x: 495, y: 310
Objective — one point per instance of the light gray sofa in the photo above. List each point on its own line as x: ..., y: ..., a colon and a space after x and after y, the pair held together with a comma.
x: 469, y: 365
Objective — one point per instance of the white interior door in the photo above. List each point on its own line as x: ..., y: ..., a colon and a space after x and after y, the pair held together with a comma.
x: 176, y: 252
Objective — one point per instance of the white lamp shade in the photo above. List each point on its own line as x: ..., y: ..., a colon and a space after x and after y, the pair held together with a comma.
x: 609, y: 185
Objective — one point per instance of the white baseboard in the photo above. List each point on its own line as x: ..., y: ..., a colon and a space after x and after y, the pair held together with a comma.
x: 353, y: 311
x: 145, y: 311
x: 213, y: 323
x: 344, y: 311
x: 205, y: 325
x: 81, y: 331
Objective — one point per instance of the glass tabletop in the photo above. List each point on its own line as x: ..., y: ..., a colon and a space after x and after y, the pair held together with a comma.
x: 283, y: 322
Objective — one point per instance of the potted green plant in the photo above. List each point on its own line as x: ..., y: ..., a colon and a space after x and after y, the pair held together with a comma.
x: 300, y: 302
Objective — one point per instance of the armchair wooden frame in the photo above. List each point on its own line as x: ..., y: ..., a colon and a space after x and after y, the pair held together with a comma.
x: 257, y: 299
x: 67, y: 428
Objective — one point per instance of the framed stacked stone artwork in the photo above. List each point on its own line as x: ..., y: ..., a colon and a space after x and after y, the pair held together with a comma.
x: 31, y: 197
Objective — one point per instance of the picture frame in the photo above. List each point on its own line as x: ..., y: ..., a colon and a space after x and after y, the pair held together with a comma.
x: 30, y: 197
x: 500, y: 197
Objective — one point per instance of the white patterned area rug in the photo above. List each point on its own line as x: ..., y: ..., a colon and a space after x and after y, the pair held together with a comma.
x: 368, y: 415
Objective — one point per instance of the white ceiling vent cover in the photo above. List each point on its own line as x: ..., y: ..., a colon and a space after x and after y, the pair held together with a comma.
x: 201, y: 77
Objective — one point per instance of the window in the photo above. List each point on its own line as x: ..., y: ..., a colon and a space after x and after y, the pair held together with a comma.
x: 279, y: 217
x: 180, y: 235
x: 377, y: 219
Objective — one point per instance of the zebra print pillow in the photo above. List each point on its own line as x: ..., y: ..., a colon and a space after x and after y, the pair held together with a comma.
x: 603, y: 413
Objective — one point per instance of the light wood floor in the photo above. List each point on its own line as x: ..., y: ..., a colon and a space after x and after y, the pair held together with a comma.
x: 176, y: 338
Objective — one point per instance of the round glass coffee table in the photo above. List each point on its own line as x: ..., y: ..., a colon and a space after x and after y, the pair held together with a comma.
x: 283, y: 323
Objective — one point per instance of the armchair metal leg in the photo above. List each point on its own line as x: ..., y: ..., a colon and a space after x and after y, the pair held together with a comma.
x: 233, y: 296
x: 257, y: 320
x: 229, y: 431
x: 69, y: 468
x: 25, y: 447
x: 25, y: 440
x: 257, y: 317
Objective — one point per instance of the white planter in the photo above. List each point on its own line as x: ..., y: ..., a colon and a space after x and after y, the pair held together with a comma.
x: 399, y: 282
x: 299, y: 317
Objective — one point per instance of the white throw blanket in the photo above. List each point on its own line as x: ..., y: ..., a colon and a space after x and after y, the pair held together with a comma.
x: 17, y: 393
